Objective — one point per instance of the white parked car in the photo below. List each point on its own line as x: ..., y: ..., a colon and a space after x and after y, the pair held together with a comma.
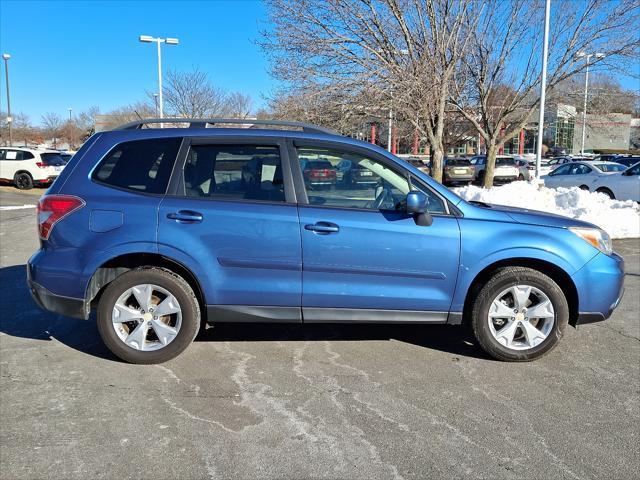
x: 505, y: 169
x: 580, y: 174
x: 621, y: 186
x: 27, y: 167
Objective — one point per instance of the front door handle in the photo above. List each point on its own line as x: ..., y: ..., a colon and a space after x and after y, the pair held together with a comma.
x: 322, y: 228
x: 185, y: 216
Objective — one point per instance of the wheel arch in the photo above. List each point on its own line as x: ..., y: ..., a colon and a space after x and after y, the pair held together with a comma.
x: 556, y: 273
x: 22, y: 170
x: 116, y: 266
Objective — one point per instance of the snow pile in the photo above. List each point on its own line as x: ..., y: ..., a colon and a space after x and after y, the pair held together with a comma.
x: 620, y: 219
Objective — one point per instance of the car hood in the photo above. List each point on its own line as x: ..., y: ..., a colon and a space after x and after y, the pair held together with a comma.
x: 534, y: 217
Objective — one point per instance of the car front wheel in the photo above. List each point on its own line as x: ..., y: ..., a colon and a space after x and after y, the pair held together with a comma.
x: 519, y: 315
x: 148, y: 315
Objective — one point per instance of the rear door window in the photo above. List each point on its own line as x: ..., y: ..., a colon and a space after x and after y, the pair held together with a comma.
x: 141, y: 165
x: 234, y: 172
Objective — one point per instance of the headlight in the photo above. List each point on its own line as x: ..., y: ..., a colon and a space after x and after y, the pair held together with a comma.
x: 596, y: 237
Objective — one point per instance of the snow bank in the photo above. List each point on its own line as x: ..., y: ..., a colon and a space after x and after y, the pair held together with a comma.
x: 620, y: 219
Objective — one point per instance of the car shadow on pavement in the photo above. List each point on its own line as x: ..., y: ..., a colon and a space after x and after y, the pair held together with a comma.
x: 21, y: 317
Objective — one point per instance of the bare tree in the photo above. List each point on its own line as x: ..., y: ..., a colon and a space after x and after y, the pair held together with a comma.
x: 238, y: 105
x: 498, y: 88
x: 191, y: 94
x: 400, y: 55
x: 52, y: 124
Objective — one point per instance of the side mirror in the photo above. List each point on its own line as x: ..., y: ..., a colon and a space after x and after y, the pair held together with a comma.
x: 418, y: 205
x: 417, y: 202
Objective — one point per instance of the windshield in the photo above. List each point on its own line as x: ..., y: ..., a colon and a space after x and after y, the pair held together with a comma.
x: 459, y: 162
x: 52, y: 158
x: 505, y: 161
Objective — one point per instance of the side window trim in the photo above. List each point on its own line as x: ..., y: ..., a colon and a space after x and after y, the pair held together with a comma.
x: 177, y: 184
x: 303, y: 200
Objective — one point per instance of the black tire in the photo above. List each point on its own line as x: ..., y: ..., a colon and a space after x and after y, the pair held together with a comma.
x: 23, y: 181
x: 584, y: 187
x: 607, y: 192
x: 177, y: 286
x: 481, y: 178
x: 520, y: 177
x: 501, y: 280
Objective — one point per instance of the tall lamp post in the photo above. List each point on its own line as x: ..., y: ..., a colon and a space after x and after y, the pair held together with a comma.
x: 587, y: 57
x: 543, y: 86
x: 158, y: 41
x: 6, y: 57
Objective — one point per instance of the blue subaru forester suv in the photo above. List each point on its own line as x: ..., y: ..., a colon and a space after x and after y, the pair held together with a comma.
x: 163, y: 230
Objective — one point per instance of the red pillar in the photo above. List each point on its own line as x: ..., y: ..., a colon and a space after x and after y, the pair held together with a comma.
x: 394, y: 150
x: 521, y: 143
x: 373, y: 133
x: 416, y: 142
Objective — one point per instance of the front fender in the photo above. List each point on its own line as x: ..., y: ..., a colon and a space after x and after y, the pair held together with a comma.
x: 484, y: 245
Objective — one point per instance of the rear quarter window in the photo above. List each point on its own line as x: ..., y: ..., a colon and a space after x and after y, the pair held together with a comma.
x: 140, y: 165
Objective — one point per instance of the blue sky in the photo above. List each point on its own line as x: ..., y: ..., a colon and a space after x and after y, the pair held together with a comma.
x: 75, y: 54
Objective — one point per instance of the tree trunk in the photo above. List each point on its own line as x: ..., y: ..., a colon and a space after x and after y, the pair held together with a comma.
x: 437, y: 154
x: 492, y: 151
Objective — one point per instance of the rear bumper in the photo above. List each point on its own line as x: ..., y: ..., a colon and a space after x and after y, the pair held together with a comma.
x: 504, y: 179
x: 459, y: 178
x: 67, y: 306
x: 46, y: 181
x: 600, y: 285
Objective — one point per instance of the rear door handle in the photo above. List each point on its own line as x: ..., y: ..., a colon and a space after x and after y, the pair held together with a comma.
x: 322, y: 228
x: 185, y: 216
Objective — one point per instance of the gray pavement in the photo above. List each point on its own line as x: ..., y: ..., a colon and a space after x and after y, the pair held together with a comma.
x: 333, y: 401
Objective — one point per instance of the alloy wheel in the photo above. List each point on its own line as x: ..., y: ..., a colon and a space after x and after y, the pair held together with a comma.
x: 521, y: 317
x: 147, y: 317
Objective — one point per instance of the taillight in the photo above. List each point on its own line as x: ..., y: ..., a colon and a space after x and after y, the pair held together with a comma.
x: 41, y: 165
x: 53, y: 208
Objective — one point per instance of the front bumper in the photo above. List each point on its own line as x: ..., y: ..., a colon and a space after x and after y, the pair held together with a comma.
x: 67, y: 306
x: 600, y: 285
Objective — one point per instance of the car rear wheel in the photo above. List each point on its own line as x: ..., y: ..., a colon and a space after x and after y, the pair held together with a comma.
x: 607, y: 192
x: 519, y: 315
x: 23, y: 181
x: 521, y: 177
x: 148, y: 315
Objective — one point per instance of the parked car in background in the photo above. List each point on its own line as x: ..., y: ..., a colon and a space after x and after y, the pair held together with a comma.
x: 458, y: 171
x: 419, y: 164
x: 505, y: 170
x: 357, y: 176
x: 319, y: 173
x: 623, y: 185
x: 154, y: 230
x: 526, y: 169
x: 28, y: 167
x: 627, y: 161
x: 579, y: 174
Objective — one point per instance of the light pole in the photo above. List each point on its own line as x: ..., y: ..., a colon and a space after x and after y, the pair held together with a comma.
x: 158, y: 40
x: 587, y: 57
x: 6, y: 58
x: 69, y: 113
x: 543, y: 86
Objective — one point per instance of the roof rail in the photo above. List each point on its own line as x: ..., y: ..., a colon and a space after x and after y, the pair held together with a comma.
x: 203, y: 122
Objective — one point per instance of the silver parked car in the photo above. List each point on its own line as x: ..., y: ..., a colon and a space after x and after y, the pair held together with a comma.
x: 580, y: 174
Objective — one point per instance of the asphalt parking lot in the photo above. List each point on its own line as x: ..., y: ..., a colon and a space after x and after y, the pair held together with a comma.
x: 332, y: 401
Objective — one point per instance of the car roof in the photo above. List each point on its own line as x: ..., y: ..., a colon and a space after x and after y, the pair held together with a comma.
x: 117, y: 136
